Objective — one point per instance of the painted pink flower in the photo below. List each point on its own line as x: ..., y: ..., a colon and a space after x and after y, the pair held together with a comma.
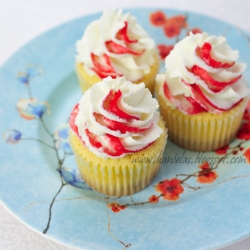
x: 244, y: 131
x: 246, y: 115
x: 116, y: 207
x: 171, y: 30
x: 170, y: 189
x: 247, y: 155
x: 206, y: 175
x: 174, y: 25
x: 153, y: 199
x: 222, y: 150
x: 158, y: 18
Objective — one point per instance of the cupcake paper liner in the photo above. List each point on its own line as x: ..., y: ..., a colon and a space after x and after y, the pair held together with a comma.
x: 119, y: 176
x: 204, y: 131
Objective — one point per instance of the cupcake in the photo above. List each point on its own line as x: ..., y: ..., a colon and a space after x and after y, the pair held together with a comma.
x: 117, y: 136
x: 115, y: 45
x: 202, y: 95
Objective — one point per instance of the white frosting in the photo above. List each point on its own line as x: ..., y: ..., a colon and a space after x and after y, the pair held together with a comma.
x: 184, y: 57
x: 105, y: 29
x: 136, y: 100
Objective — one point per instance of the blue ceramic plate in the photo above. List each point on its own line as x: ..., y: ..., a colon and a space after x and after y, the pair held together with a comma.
x: 197, y: 201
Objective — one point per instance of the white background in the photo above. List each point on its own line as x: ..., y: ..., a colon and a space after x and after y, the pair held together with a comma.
x: 20, y: 21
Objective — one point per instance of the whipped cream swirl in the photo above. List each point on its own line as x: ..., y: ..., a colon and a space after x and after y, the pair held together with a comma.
x: 115, y: 45
x: 202, y: 75
x: 115, y: 117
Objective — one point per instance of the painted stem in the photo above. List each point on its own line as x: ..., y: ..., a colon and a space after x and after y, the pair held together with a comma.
x: 110, y: 233
x: 29, y: 91
x: 40, y: 141
x: 45, y: 127
x: 50, y: 207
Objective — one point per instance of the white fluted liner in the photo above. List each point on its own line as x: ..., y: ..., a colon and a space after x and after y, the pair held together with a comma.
x: 204, y: 131
x: 119, y: 177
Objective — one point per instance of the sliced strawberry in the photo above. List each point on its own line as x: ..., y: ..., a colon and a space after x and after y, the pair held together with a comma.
x: 187, y: 105
x: 204, y: 53
x: 103, y: 66
x: 122, y: 34
x: 118, y: 126
x: 93, y: 139
x: 119, y: 49
x: 73, y: 118
x: 110, y: 104
x: 212, y: 84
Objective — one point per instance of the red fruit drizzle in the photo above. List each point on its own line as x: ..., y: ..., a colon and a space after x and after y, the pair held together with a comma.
x: 73, y: 118
x: 93, y: 139
x: 214, y: 85
x: 204, y: 53
x: 119, y: 49
x: 115, y: 147
x: 167, y: 92
x: 110, y: 104
x: 118, y: 147
x: 122, y: 34
x: 115, y: 144
x: 197, y: 92
x: 185, y: 104
x: 199, y: 102
x: 116, y: 48
x: 197, y: 108
x: 118, y: 126
x: 103, y: 66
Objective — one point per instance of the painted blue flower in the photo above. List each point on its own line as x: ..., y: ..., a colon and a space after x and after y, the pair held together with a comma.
x: 63, y: 131
x: 73, y: 177
x: 61, y: 136
x: 31, y: 72
x: 12, y: 136
x: 64, y: 145
x: 23, y: 77
x: 30, y: 109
